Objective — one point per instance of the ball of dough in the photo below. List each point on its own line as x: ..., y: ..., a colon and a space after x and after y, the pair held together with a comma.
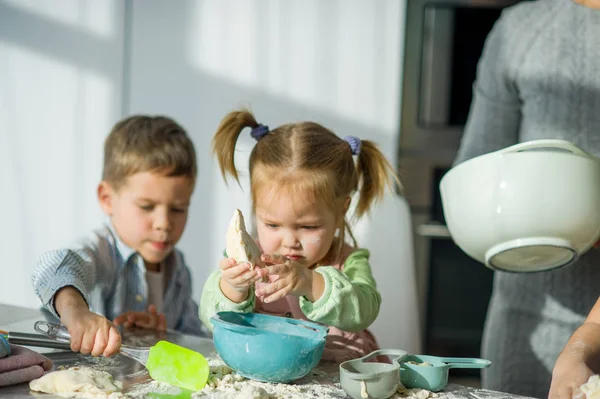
x: 240, y: 245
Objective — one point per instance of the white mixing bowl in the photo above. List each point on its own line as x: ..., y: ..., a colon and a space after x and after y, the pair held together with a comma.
x: 529, y: 207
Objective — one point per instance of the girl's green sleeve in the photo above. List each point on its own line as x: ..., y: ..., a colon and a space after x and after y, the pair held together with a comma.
x: 213, y: 300
x: 350, y: 300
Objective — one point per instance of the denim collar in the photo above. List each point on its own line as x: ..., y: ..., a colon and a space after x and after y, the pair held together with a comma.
x: 125, y: 251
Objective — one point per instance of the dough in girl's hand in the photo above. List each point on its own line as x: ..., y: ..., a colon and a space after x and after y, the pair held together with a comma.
x: 240, y: 245
x: 591, y: 388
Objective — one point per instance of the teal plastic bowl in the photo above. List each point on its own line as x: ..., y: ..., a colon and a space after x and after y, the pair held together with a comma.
x: 268, y: 348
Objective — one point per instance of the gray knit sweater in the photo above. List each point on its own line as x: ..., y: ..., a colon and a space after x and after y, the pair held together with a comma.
x: 539, y: 77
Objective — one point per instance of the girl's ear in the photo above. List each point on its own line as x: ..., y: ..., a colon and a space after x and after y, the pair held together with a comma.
x: 341, y: 216
x: 346, y: 205
x: 105, y: 196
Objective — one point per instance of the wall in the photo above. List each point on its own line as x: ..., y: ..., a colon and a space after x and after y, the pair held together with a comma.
x: 69, y: 69
x: 61, y: 68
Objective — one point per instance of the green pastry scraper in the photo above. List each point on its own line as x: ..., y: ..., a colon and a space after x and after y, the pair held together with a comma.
x: 165, y: 361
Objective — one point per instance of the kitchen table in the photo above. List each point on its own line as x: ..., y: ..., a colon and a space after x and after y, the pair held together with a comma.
x: 322, y: 382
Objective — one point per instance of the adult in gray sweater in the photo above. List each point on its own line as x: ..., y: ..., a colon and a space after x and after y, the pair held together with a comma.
x: 538, y: 77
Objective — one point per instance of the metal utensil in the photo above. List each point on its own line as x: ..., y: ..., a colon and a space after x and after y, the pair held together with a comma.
x: 39, y: 340
x: 58, y: 332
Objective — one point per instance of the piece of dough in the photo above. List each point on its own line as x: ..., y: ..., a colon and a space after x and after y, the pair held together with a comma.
x: 240, y: 245
x: 77, y: 382
x: 250, y: 392
x: 363, y: 390
x: 419, y: 364
x: 592, y: 387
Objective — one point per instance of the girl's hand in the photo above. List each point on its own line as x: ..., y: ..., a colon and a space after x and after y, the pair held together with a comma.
x: 236, y: 279
x: 286, y: 276
x: 237, y: 276
x: 151, y: 319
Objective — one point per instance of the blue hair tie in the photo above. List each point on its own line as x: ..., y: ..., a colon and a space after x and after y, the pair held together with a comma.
x: 259, y: 131
x: 354, y: 143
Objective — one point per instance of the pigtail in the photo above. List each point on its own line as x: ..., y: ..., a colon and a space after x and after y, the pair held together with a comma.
x: 374, y: 174
x: 225, y: 139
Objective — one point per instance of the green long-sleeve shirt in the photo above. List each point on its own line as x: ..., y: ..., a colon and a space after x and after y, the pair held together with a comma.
x: 350, y: 300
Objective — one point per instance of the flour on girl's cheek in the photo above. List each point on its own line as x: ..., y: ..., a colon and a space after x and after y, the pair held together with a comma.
x: 311, y: 241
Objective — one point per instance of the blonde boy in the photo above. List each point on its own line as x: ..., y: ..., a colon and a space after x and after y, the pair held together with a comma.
x: 129, y: 270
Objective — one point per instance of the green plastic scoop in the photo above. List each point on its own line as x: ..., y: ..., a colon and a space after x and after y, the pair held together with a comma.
x: 165, y: 361
x: 177, y: 366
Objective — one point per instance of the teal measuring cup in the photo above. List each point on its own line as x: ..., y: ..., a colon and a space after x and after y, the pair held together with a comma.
x: 431, y: 372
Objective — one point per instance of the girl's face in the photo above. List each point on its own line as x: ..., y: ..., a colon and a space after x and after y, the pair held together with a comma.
x: 301, y: 230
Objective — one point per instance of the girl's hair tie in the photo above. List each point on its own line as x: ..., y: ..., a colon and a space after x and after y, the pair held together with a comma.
x: 354, y: 143
x: 259, y: 131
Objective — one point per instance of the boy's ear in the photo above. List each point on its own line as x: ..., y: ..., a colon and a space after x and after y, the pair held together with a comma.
x: 105, y: 196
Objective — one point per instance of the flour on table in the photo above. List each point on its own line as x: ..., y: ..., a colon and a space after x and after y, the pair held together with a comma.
x: 250, y: 392
x: 152, y: 387
x: 78, y: 382
x: 415, y: 393
x: 108, y: 364
x: 225, y: 383
x: 592, y: 387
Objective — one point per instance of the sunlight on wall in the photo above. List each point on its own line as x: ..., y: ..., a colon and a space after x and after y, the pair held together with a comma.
x: 53, y: 117
x: 328, y: 55
x: 233, y: 55
x: 96, y: 17
x: 55, y: 110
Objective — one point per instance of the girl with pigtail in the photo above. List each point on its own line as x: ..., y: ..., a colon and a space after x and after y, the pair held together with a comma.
x: 302, y: 178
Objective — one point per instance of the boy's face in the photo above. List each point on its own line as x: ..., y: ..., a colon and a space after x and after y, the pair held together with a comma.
x: 149, y: 212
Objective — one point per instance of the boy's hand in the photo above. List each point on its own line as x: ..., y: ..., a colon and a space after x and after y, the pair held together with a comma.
x: 288, y: 277
x: 90, y: 332
x: 151, y: 319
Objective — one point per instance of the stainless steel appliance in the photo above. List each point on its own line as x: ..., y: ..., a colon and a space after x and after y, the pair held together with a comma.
x: 444, y: 41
